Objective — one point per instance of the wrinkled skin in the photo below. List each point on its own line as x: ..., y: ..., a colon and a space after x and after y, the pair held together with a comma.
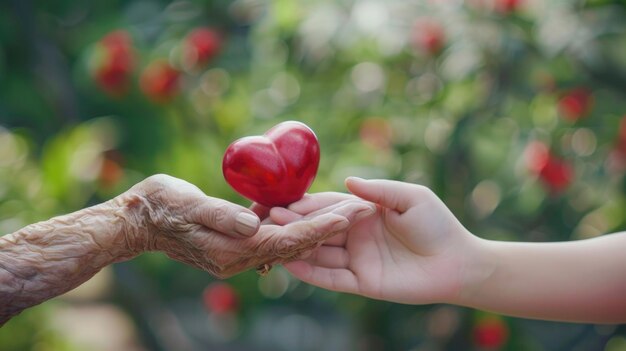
x: 161, y: 213
x: 200, y: 231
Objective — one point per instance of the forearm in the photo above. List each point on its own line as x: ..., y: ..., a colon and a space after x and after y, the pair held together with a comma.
x: 49, y: 258
x: 579, y: 281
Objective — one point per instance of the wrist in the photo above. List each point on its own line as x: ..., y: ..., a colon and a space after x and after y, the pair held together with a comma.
x: 479, y: 266
x: 132, y: 237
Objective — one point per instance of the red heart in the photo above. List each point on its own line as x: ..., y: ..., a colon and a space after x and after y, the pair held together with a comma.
x: 275, y: 169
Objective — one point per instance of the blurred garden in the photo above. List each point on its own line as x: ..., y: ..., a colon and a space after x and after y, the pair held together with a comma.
x: 512, y: 111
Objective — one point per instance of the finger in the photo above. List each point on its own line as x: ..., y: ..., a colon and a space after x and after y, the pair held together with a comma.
x: 283, y: 216
x: 324, y: 226
x: 353, y: 209
x: 316, y: 230
x: 275, y: 243
x: 290, y: 241
x: 347, y: 208
x: 337, y: 240
x: 342, y: 280
x: 226, y: 217
x: 329, y: 257
x: 395, y: 195
x: 313, y: 202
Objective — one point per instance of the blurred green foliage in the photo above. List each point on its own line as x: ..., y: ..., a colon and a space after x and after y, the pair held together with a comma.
x: 454, y: 95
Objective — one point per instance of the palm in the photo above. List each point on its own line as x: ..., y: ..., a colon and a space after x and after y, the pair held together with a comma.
x: 392, y: 267
x: 379, y: 261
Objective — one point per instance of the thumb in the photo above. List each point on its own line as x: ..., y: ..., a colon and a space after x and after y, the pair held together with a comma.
x: 387, y: 193
x: 225, y: 217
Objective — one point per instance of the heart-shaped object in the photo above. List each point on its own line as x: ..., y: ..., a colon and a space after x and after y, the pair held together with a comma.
x: 274, y: 169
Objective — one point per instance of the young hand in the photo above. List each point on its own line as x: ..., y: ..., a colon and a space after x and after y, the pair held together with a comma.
x: 412, y: 250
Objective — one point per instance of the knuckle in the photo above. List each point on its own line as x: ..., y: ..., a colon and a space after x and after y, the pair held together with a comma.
x: 157, y: 179
x: 287, y: 245
x: 294, y: 246
x: 355, y: 203
x: 218, y: 214
x: 422, y: 191
x: 152, y: 185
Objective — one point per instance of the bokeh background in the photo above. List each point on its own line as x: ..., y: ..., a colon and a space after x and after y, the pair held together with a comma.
x: 512, y: 111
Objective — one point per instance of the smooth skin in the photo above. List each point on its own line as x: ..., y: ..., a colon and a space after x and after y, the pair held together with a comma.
x: 415, y: 251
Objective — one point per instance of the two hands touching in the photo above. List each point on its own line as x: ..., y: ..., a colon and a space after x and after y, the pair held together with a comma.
x: 388, y: 240
x: 222, y: 238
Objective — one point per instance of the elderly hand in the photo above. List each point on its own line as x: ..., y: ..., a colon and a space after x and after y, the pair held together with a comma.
x: 162, y: 213
x: 177, y: 218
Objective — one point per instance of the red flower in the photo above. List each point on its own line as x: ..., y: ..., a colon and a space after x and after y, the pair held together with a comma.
x: 576, y: 104
x: 160, y: 81
x: 113, y: 62
x: 507, y: 6
x: 200, y: 46
x: 557, y: 174
x: 490, y: 333
x: 428, y: 36
x: 554, y: 172
x: 220, y: 298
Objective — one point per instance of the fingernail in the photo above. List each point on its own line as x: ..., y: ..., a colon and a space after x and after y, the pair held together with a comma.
x: 353, y: 178
x: 364, y: 213
x: 246, y: 224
